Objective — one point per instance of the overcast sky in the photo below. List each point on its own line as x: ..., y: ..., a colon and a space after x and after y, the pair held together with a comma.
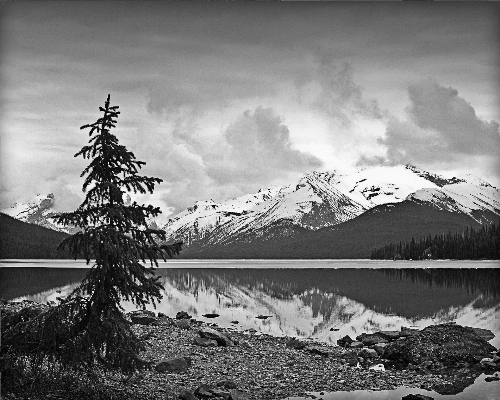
x: 221, y: 99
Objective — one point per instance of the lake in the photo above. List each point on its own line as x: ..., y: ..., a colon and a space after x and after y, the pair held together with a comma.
x: 319, y: 299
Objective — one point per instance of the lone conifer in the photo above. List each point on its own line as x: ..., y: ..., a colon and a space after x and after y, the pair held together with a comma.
x: 89, y: 326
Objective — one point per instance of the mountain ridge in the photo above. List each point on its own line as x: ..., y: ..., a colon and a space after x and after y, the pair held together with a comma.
x: 317, y: 201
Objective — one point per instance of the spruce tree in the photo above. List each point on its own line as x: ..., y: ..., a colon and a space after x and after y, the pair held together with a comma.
x: 89, y: 326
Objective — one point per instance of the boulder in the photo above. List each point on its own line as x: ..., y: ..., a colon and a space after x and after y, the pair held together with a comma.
x: 389, y: 335
x: 318, y: 350
x: 142, y: 318
x: 227, y: 384
x: 405, y: 331
x: 221, y: 339
x: 377, y: 367
x: 368, y: 353
x: 205, y: 342
x: 447, y: 343
x: 379, y: 348
x: 356, y: 345
x: 486, y: 334
x: 236, y: 394
x: 204, y: 390
x: 187, y: 395
x: 142, y: 312
x: 345, y: 341
x: 488, y: 363
x: 176, y: 365
x: 296, y: 344
x: 492, y: 378
x: 369, y: 339
x: 182, y: 315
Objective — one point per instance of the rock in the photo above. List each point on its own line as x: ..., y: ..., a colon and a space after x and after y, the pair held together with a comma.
x: 263, y: 316
x: 162, y: 315
x: 488, y: 363
x: 205, y: 342
x: 368, y: 353
x: 345, y: 341
x: 180, y: 364
x: 416, y: 397
x: 447, y: 343
x: 183, y: 324
x: 213, y: 315
x: 405, y: 331
x: 492, y: 378
x: 318, y: 350
x: 296, y: 344
x: 377, y: 367
x: 204, y: 390
x: 379, y: 348
x: 221, y: 339
x: 182, y: 315
x: 236, y: 394
x: 142, y: 312
x: 334, y: 329
x: 356, y: 345
x: 389, y: 335
x: 486, y: 334
x: 142, y: 319
x: 187, y: 395
x: 235, y: 322
x: 369, y: 339
x: 227, y: 384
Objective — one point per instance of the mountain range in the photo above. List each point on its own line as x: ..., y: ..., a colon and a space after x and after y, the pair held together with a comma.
x: 322, y: 215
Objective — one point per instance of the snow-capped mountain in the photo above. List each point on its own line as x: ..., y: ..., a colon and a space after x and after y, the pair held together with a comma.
x: 325, y: 199
x: 313, y: 202
x: 471, y: 196
x: 37, y: 211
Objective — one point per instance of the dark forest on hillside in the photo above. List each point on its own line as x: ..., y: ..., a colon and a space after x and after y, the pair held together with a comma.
x: 21, y: 240
x: 471, y: 244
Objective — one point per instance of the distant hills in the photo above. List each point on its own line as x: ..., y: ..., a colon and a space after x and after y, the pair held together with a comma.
x: 23, y: 240
x: 322, y: 215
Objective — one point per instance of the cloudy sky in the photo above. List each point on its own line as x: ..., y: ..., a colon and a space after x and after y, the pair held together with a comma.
x: 221, y: 99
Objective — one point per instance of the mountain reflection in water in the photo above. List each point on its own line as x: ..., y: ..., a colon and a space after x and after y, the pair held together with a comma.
x: 324, y: 304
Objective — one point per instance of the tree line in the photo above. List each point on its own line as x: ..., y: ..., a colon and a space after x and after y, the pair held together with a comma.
x: 471, y: 244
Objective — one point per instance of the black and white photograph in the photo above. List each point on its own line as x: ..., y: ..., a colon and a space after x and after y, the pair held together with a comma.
x: 250, y: 200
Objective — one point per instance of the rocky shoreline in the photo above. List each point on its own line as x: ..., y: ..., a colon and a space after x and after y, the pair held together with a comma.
x: 192, y: 360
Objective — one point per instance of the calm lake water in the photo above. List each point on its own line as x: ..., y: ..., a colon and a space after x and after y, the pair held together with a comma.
x: 319, y: 299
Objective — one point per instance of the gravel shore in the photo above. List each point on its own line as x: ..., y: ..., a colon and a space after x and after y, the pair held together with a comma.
x: 257, y: 366
x: 261, y: 366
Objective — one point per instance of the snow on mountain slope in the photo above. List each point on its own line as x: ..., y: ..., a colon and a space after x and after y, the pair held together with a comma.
x: 313, y: 203
x: 196, y: 222
x: 37, y: 211
x: 322, y: 199
x: 383, y: 184
x: 468, y: 195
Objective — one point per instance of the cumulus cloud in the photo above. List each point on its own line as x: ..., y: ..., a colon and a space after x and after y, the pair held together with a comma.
x: 257, y: 149
x: 442, y: 127
x: 336, y: 93
x: 460, y: 130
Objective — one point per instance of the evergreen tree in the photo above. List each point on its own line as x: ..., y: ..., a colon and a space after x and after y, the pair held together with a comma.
x: 89, y: 327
